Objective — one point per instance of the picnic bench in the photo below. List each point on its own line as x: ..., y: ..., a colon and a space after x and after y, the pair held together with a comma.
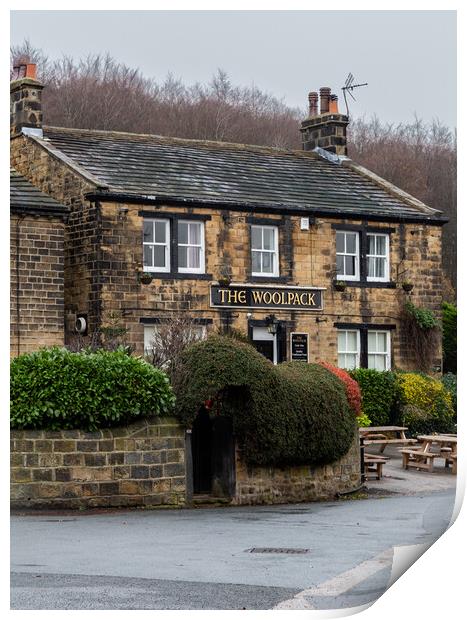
x: 423, y: 456
x: 374, y: 465
x: 384, y: 435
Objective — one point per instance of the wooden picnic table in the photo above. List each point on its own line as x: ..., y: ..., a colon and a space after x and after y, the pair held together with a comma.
x: 384, y: 435
x: 422, y: 457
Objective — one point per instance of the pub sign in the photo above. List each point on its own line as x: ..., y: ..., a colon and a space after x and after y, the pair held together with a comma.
x: 299, y: 347
x: 277, y: 297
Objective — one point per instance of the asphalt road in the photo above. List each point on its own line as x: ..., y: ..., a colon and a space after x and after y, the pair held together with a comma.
x: 203, y: 559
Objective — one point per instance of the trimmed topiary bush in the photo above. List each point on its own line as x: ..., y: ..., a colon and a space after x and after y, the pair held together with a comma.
x: 289, y: 414
x: 56, y: 389
x: 380, y: 394
x: 426, y: 405
x: 352, y: 389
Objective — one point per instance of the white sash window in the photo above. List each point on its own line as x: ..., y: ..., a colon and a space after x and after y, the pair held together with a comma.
x: 264, y: 251
x: 156, y: 245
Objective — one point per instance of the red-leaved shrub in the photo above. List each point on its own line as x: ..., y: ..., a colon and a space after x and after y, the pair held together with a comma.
x: 352, y: 388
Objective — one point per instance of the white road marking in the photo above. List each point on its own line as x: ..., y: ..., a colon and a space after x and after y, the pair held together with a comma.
x: 341, y: 583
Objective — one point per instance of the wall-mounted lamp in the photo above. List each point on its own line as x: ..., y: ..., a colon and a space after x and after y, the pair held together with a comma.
x: 272, y: 324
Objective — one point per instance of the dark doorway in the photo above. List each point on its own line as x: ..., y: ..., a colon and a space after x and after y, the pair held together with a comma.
x: 213, y: 450
x: 265, y: 347
x: 201, y: 449
x: 272, y: 346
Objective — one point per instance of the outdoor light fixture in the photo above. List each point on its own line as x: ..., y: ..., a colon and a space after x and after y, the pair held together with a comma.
x: 272, y: 324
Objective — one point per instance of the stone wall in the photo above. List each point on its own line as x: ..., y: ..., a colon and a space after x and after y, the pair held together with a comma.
x: 36, y: 282
x: 139, y: 465
x: 82, y: 232
x: 273, y: 485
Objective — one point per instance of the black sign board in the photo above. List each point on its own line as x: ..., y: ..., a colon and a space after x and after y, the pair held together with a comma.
x: 285, y: 297
x: 299, y: 347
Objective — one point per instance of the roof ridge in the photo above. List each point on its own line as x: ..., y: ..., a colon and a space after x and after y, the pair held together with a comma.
x: 188, y: 141
x: 390, y: 187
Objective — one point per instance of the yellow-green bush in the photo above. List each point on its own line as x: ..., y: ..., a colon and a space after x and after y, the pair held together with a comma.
x: 427, y: 405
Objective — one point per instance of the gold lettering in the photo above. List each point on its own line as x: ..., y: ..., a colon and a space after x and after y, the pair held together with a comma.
x: 268, y: 300
x: 296, y: 299
x: 222, y: 293
x: 257, y: 297
x: 282, y: 298
x: 233, y: 295
x: 289, y: 299
x: 276, y: 298
x: 242, y: 297
x: 303, y: 295
x: 311, y: 299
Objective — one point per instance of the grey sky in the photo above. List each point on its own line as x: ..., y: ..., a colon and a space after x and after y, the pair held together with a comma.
x: 407, y: 57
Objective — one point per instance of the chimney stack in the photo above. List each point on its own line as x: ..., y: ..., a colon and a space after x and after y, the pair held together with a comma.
x: 25, y: 101
x: 313, y: 101
x: 326, y: 129
x: 324, y: 98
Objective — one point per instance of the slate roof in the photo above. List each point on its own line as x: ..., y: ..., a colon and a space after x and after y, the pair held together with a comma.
x: 25, y: 197
x: 229, y: 174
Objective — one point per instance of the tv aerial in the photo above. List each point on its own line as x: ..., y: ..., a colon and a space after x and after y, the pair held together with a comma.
x: 349, y: 87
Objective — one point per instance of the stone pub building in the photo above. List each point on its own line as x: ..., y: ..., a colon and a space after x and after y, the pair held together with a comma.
x: 304, y: 251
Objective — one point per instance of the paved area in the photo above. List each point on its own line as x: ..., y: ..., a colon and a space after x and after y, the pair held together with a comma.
x: 410, y: 481
x: 202, y: 559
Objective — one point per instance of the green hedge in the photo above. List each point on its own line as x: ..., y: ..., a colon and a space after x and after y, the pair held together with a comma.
x: 289, y: 414
x: 56, y: 389
x: 449, y: 337
x: 380, y: 395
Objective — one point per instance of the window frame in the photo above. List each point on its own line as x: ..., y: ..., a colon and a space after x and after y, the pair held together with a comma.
x: 202, y: 261
x: 357, y: 353
x: 387, y: 353
x: 387, y: 269
x: 153, y: 268
x: 357, y: 276
x: 276, y: 271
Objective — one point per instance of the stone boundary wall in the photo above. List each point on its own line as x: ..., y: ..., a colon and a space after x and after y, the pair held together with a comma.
x: 304, y: 483
x: 139, y: 465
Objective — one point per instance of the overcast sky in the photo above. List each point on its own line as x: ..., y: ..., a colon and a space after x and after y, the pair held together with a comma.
x: 407, y: 57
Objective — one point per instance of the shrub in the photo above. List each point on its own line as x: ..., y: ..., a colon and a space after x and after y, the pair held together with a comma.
x: 363, y: 420
x: 380, y: 394
x: 449, y: 337
x: 289, y: 414
x: 422, y: 329
x: 352, y: 388
x: 57, y: 389
x: 427, y: 404
x: 450, y: 383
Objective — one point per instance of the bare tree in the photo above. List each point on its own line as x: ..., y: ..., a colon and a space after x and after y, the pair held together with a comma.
x: 172, y: 335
